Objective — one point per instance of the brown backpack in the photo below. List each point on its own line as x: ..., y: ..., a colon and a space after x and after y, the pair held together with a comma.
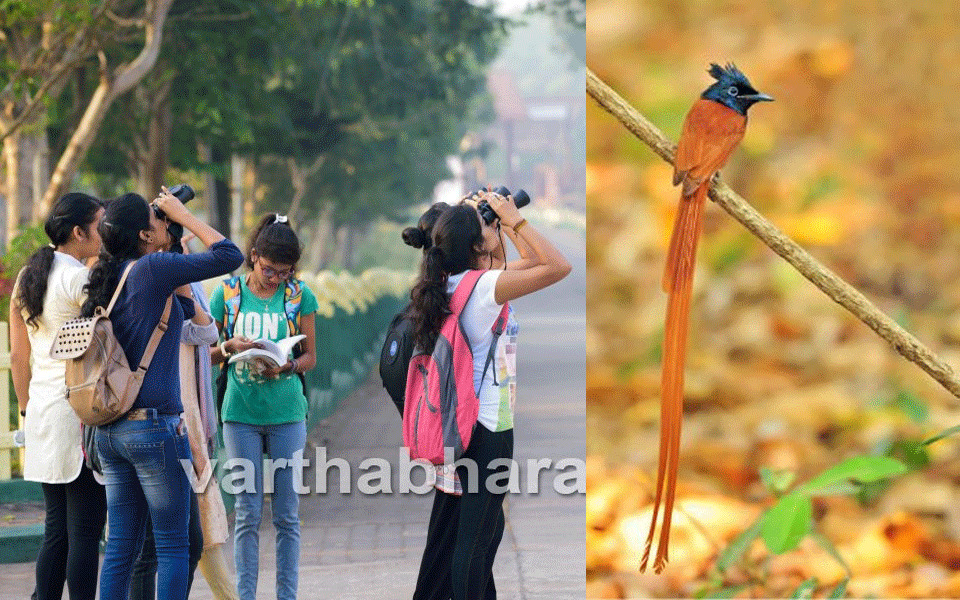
x: 101, y: 388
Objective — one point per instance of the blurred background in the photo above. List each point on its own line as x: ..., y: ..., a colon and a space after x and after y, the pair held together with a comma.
x: 858, y: 161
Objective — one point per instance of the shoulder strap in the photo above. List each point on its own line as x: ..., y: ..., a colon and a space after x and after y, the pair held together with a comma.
x: 464, y: 289
x: 157, y: 334
x: 231, y: 304
x: 497, y: 330
x: 292, y: 298
x: 116, y: 293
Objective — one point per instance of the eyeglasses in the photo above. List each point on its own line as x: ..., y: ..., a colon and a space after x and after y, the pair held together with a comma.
x: 271, y: 273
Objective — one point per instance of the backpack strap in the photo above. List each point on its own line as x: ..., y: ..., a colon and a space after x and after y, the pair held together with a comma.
x: 458, y: 301
x: 292, y: 297
x: 116, y: 292
x: 231, y: 304
x: 158, y: 332
x: 497, y: 329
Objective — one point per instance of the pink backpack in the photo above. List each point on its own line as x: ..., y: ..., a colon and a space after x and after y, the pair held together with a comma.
x: 440, y: 404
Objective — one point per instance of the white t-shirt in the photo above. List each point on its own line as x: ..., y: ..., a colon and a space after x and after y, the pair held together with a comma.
x: 52, y: 442
x: 498, y: 390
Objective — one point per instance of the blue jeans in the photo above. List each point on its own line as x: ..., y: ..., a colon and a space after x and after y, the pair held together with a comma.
x: 143, y: 579
x: 249, y: 442
x: 141, y: 466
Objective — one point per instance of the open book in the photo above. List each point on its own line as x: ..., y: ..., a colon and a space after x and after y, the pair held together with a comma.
x: 269, y: 354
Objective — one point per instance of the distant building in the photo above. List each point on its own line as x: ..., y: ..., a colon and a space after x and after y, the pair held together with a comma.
x: 535, y: 143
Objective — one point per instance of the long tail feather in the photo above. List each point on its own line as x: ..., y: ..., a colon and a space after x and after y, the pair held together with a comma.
x: 678, y: 282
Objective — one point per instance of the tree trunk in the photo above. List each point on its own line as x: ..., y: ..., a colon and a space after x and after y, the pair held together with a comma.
x: 112, y: 85
x: 218, y: 189
x: 11, y: 156
x: 236, y: 199
x: 159, y: 130
x: 355, y: 240
x: 319, y: 257
x: 40, y: 168
x: 339, y: 257
x: 298, y: 178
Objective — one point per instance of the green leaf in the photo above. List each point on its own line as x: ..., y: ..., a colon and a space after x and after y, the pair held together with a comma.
x: 911, y: 406
x: 863, y: 469
x: 841, y: 590
x: 805, y: 590
x: 778, y: 481
x: 913, y: 453
x: 732, y: 591
x: 943, y: 434
x: 784, y: 525
x: 732, y: 553
x: 841, y: 488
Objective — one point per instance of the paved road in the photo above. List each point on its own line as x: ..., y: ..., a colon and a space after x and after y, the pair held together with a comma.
x: 357, y: 546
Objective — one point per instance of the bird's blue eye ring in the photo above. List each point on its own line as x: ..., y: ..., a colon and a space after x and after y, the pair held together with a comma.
x: 732, y: 90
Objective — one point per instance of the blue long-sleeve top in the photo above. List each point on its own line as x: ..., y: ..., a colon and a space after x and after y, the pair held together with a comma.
x: 140, y: 305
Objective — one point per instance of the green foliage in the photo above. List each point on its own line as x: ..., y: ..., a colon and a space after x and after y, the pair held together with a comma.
x: 18, y: 252
x: 784, y: 525
x: 805, y: 589
x: 858, y: 469
x: 943, y: 434
x: 777, y: 481
x: 734, y: 552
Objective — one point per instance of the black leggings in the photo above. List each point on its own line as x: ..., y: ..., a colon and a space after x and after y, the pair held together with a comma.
x: 143, y: 576
x: 465, y: 531
x: 76, y: 513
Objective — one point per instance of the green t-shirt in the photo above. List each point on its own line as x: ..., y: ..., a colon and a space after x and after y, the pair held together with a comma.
x: 251, y: 398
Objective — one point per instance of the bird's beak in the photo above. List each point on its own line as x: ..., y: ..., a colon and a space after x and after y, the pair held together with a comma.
x: 758, y: 97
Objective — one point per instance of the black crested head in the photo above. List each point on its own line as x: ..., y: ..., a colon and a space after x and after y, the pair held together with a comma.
x: 732, y: 89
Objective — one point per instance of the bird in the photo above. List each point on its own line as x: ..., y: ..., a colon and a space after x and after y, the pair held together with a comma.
x: 712, y: 130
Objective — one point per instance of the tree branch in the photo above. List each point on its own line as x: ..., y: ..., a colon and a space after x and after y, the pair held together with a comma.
x: 829, y: 283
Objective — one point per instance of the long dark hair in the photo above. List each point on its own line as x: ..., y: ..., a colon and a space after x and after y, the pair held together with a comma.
x: 421, y: 235
x: 456, y: 239
x: 71, y: 210
x: 274, y: 239
x: 123, y: 220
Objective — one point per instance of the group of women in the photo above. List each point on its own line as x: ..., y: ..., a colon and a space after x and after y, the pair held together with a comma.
x: 159, y: 529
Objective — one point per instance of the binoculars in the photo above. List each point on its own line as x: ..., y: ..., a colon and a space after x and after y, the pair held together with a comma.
x: 184, y: 193
x: 520, y: 199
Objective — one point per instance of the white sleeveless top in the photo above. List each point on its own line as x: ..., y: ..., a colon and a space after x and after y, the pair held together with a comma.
x: 52, y: 451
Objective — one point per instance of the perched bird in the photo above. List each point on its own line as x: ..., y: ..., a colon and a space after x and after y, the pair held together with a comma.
x: 712, y: 130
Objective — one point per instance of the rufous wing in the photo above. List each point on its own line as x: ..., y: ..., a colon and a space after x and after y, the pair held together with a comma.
x: 710, y: 134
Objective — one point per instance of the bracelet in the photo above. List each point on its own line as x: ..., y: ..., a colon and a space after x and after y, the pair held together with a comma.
x: 516, y: 228
x: 296, y: 365
x: 223, y: 349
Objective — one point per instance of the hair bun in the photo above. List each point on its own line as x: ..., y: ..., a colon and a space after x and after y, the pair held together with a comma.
x: 414, y: 236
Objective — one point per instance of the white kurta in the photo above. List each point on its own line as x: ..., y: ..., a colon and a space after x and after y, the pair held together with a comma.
x: 52, y: 451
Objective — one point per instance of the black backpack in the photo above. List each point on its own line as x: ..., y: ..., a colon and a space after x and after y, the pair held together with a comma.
x: 395, y: 357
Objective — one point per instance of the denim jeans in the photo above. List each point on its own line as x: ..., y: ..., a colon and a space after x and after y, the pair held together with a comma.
x: 282, y: 441
x: 143, y: 578
x: 141, y: 465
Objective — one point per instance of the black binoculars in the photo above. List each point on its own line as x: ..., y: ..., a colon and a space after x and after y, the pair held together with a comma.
x: 184, y: 193
x: 520, y: 199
